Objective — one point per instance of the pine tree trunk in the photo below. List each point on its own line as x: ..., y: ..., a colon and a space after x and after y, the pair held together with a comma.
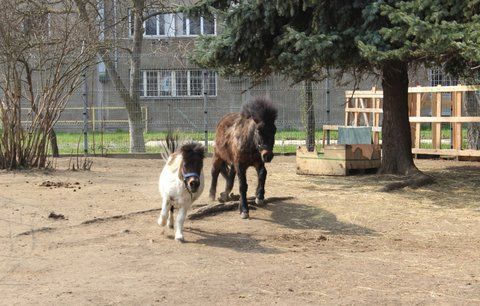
x: 396, y: 139
x: 309, y: 116
x: 472, y: 106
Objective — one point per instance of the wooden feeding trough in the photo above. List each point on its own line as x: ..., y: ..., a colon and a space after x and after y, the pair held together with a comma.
x: 354, y: 152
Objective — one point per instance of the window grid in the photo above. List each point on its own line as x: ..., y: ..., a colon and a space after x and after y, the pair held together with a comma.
x: 437, y: 76
x: 176, y: 83
x: 165, y: 25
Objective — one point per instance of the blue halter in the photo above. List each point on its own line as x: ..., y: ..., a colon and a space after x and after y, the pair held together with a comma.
x: 190, y: 174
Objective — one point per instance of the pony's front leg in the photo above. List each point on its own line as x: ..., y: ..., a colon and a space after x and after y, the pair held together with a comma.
x: 170, y: 217
x: 182, y: 213
x: 262, y: 176
x: 242, y: 178
x: 162, y: 219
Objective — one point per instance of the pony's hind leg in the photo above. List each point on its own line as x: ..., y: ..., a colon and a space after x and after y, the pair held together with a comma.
x: 229, y: 174
x: 162, y: 219
x: 216, y: 168
x: 243, y: 187
x: 262, y: 176
x: 170, y: 217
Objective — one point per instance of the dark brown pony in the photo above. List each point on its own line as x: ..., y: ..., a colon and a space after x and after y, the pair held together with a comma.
x: 242, y: 140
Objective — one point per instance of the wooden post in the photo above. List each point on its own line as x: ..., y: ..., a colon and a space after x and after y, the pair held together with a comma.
x: 356, y: 119
x: 418, y: 127
x: 457, y: 127
x: 365, y: 115
x: 411, y: 112
x: 437, y: 126
x: 347, y: 117
x: 376, y: 121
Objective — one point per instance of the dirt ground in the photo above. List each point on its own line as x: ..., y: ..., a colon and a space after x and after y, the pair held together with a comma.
x: 320, y: 240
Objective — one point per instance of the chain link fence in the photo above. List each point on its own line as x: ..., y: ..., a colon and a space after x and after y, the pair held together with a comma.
x: 175, y: 100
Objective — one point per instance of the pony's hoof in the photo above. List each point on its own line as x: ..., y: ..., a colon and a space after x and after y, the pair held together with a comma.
x: 244, y: 215
x: 170, y: 225
x: 259, y: 202
x: 162, y: 221
x: 180, y: 239
x: 223, y: 197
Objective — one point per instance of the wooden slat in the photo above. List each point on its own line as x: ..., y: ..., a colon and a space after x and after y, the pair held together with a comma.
x: 458, y: 88
x: 365, y: 117
x: 416, y: 89
x: 355, y: 115
x: 436, y: 126
x: 376, y: 118
x: 448, y: 152
x: 457, y: 126
x: 444, y: 119
x: 418, y: 108
x: 364, y: 94
x: 411, y: 112
x: 328, y: 127
x: 364, y: 110
x: 347, y: 114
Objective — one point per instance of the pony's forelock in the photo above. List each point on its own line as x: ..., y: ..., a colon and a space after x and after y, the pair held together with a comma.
x: 260, y: 109
x: 191, y: 149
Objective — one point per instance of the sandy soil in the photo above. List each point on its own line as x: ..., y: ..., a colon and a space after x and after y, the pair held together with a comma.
x: 321, y: 240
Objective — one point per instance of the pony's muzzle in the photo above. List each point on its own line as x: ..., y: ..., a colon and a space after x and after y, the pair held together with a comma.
x: 193, y: 183
x: 267, y: 155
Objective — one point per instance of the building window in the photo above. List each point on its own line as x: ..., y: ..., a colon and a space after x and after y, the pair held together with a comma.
x: 436, y: 76
x: 172, y: 25
x: 165, y: 83
x: 152, y: 83
x: 194, y: 26
x: 181, y: 83
x: 155, y: 26
x: 176, y: 83
x: 196, y: 83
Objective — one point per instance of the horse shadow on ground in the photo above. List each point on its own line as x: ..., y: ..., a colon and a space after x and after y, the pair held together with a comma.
x: 300, y: 216
x: 241, y: 242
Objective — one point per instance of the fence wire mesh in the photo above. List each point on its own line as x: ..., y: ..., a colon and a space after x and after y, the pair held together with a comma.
x: 191, y: 102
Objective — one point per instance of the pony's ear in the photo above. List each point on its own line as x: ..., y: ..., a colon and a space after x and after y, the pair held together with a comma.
x: 245, y: 115
x: 260, y: 124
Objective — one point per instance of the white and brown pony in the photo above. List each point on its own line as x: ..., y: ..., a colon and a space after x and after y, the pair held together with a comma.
x: 181, y: 183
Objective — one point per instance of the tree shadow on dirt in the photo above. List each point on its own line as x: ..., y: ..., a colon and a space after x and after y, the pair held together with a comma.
x: 455, y: 187
x: 240, y: 242
x: 301, y: 216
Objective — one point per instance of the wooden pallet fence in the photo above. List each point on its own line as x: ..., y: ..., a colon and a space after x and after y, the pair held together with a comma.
x: 427, y: 105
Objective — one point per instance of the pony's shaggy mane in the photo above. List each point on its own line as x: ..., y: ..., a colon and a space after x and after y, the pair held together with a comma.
x: 260, y: 110
x: 192, y: 149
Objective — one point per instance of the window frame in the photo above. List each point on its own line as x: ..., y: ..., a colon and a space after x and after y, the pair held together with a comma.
x: 438, y: 77
x: 170, y: 26
x: 173, y: 85
x: 202, y: 28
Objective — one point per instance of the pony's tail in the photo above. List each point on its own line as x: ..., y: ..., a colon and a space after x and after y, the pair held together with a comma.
x: 171, y: 144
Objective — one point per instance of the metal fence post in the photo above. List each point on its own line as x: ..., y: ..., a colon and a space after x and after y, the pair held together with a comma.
x: 205, y: 110
x: 327, y: 102
x: 85, y: 112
